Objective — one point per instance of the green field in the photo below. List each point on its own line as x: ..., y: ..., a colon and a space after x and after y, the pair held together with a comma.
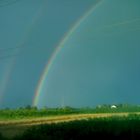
x: 70, y: 123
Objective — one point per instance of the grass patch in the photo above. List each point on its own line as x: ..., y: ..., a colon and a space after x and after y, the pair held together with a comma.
x: 108, y: 128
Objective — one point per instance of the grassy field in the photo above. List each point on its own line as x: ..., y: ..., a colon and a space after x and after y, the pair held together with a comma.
x: 14, y: 128
x: 48, y: 123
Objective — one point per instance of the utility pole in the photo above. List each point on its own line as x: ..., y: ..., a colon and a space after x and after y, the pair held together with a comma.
x: 62, y: 102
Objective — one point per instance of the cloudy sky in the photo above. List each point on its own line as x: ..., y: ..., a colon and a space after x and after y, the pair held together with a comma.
x: 90, y: 49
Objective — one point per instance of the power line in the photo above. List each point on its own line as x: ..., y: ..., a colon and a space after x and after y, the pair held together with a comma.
x: 4, y: 3
x: 9, y: 49
x: 6, y: 53
x: 7, y: 56
x: 18, y: 49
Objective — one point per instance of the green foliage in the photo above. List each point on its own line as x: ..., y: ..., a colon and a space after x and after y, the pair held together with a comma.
x: 28, y: 111
x: 2, y: 138
x: 101, y: 128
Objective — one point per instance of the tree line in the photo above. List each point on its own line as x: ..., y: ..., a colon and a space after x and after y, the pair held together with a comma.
x: 29, y: 111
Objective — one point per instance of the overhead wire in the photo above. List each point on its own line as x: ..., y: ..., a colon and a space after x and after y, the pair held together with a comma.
x: 19, y: 46
x: 4, y: 3
x: 4, y: 51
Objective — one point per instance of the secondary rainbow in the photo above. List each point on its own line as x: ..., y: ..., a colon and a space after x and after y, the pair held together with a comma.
x: 58, y: 49
x: 18, y: 48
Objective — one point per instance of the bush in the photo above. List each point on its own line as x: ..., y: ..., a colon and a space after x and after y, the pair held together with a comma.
x: 2, y: 138
x: 106, y: 128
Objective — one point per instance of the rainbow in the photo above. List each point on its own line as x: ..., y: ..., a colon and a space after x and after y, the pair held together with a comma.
x: 58, y: 49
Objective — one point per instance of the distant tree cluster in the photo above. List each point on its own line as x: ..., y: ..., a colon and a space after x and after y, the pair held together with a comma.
x: 28, y: 111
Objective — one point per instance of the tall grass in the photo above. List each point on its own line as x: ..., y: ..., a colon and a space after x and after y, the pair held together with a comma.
x: 126, y: 128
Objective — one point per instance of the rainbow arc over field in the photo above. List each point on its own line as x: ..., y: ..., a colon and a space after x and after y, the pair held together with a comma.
x: 60, y: 45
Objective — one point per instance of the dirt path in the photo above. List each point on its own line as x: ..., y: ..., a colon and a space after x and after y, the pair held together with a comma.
x: 17, y: 127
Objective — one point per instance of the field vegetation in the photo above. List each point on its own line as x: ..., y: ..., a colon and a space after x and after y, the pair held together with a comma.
x: 98, y: 128
x: 67, y: 123
x: 34, y: 112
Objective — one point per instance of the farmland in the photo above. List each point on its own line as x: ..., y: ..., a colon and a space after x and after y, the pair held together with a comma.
x: 28, y: 123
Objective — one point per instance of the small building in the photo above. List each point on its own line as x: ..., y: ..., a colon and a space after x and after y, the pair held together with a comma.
x: 113, y: 107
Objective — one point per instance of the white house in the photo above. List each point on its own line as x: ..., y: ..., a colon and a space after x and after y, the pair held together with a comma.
x: 113, y: 106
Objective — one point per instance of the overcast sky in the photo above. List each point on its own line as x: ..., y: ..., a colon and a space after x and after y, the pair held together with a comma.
x: 99, y: 63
